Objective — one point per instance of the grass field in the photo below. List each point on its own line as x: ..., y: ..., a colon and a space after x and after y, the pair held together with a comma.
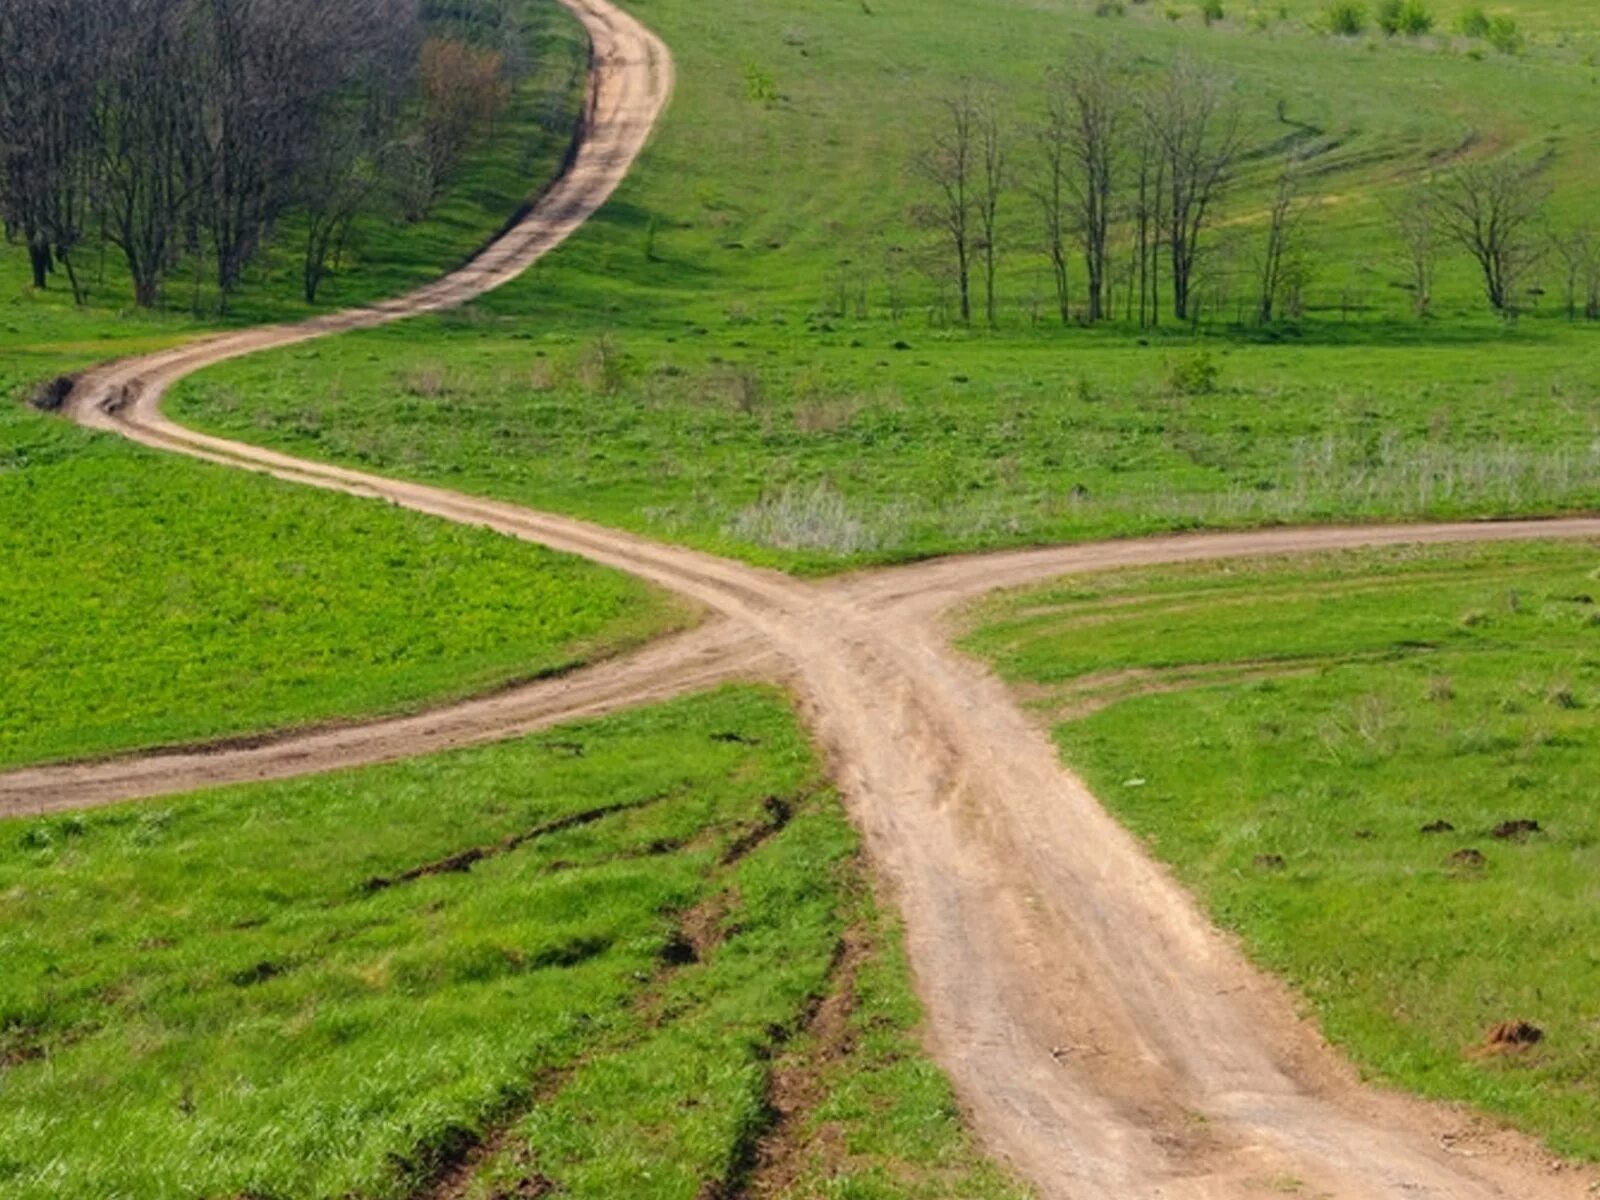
x: 152, y: 600
x: 160, y: 601
x: 314, y: 989
x: 1286, y: 733
x: 744, y: 352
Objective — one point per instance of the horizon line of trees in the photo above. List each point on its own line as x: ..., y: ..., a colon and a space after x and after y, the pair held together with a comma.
x: 1125, y: 172
x: 180, y: 132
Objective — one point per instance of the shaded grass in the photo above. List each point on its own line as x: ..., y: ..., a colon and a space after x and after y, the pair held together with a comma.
x: 247, y: 1017
x: 1414, y: 686
x: 153, y: 600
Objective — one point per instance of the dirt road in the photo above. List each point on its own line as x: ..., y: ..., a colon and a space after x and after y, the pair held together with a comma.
x: 1105, y: 1039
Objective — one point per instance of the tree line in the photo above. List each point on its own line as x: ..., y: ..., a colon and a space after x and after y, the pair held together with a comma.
x: 182, y: 131
x: 1125, y: 173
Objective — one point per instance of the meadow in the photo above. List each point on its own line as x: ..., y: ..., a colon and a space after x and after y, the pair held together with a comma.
x: 1379, y: 770
x: 752, y: 349
x: 629, y: 956
x: 151, y: 600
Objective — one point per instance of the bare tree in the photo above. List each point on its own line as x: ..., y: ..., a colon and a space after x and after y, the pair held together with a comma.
x: 146, y: 117
x: 1085, y: 121
x: 1415, y: 215
x: 1579, y: 251
x: 1278, y: 266
x: 47, y: 52
x: 991, y: 186
x: 950, y: 164
x: 1194, y: 121
x: 1149, y: 203
x: 463, y: 90
x: 1491, y: 210
x: 1049, y: 190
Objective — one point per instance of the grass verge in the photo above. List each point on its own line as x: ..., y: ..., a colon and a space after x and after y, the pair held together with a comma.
x: 1379, y: 769
x: 566, y: 963
x: 157, y: 600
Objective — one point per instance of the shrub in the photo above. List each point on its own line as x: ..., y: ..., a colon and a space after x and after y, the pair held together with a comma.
x: 1473, y: 22
x: 1504, y: 35
x: 1196, y: 375
x: 1346, y: 18
x: 1405, y: 18
x: 1211, y: 11
x: 759, y: 85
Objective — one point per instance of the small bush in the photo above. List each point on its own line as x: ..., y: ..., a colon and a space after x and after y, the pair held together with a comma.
x: 1211, y: 11
x: 1346, y: 18
x: 759, y: 85
x: 1504, y: 35
x: 1473, y: 22
x: 1196, y: 375
x: 1405, y: 18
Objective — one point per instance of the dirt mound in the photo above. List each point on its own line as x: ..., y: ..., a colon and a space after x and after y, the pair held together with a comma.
x: 1512, y: 1035
x: 50, y: 396
x: 1439, y: 826
x: 1468, y: 858
x: 1517, y: 831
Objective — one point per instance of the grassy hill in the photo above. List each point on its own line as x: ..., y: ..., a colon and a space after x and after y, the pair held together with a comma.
x: 745, y: 351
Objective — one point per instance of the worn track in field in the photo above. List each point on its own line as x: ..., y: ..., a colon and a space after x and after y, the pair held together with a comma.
x: 1106, y: 1040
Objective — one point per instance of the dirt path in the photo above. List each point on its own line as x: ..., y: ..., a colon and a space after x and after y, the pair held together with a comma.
x: 1106, y: 1040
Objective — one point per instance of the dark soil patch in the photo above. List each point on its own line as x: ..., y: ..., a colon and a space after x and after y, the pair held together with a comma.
x: 1518, y: 831
x: 778, y: 811
x: 1511, y: 1036
x: 258, y: 973
x: 1440, y: 826
x: 50, y: 396
x: 448, y: 1169
x: 1270, y: 862
x: 464, y: 860
x: 779, y: 1159
x: 1472, y: 859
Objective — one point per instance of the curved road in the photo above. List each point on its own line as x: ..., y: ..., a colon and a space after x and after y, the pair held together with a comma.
x: 1106, y: 1040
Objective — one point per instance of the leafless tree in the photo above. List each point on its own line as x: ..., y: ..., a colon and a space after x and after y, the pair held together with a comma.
x: 1579, y: 251
x: 463, y: 90
x: 1050, y: 191
x: 1085, y: 123
x: 991, y: 187
x: 146, y: 117
x: 1491, y: 210
x: 1149, y: 206
x: 1194, y: 121
x: 188, y: 127
x: 951, y: 165
x: 1415, y: 216
x: 1279, y: 269
x: 47, y: 52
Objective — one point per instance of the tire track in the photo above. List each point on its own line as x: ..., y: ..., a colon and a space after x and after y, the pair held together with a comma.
x: 1107, y: 1041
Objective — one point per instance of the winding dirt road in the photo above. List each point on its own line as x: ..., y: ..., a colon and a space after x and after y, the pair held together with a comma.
x: 1106, y: 1040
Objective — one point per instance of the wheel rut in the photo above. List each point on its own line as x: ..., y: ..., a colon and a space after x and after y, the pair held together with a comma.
x: 1106, y: 1041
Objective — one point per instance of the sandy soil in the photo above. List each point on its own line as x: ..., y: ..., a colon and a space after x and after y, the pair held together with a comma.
x: 1106, y: 1040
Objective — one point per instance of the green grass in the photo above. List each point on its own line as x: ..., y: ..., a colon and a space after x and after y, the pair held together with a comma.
x: 1282, y: 731
x: 154, y: 600
x: 208, y: 995
x: 716, y: 357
